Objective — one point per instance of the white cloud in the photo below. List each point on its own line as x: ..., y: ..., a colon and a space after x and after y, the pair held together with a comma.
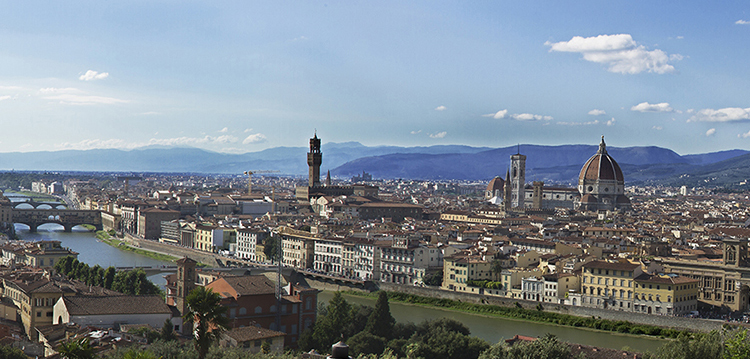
x: 619, y: 52
x: 60, y: 90
x: 254, y: 138
x: 728, y: 114
x: 518, y: 116
x: 744, y: 135
x: 497, y: 115
x: 91, y: 75
x: 149, y: 113
x: 597, y: 112
x: 6, y: 97
x: 611, y: 122
x: 224, y: 130
x: 123, y: 144
x: 438, y: 135
x: 595, y: 122
x: 73, y: 99
x: 652, y: 107
x: 530, y: 117
x: 248, y: 130
x: 710, y: 132
x: 680, y: 37
x: 416, y: 132
x: 658, y: 128
x: 742, y: 22
x: 440, y: 108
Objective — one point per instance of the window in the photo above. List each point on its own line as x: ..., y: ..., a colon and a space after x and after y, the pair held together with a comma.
x: 258, y: 310
x: 243, y: 311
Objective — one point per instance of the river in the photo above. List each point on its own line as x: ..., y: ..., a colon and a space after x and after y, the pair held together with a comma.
x: 90, y: 250
x: 494, y: 329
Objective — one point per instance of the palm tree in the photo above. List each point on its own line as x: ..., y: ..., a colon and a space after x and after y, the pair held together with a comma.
x: 207, y: 316
x: 76, y: 349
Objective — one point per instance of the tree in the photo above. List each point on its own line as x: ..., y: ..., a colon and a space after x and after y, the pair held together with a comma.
x: 109, y: 277
x: 207, y: 316
x: 167, y: 331
x: 366, y: 343
x: 271, y: 248
x: 496, y: 268
x: 8, y: 352
x: 76, y: 349
x: 703, y: 346
x: 736, y: 344
x: 381, y: 322
x: 332, y: 323
x: 444, y: 338
x: 434, y: 279
x: 547, y: 347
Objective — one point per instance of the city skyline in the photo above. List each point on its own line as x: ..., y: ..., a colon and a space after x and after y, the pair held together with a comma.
x: 241, y: 77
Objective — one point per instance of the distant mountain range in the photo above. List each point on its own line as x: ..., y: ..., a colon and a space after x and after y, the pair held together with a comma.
x: 552, y: 164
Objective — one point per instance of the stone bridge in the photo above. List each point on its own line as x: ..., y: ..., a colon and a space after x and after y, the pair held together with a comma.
x: 68, y: 218
x: 36, y: 205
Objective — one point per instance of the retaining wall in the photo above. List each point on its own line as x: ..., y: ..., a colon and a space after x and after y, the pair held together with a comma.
x: 172, y: 250
x: 695, y: 324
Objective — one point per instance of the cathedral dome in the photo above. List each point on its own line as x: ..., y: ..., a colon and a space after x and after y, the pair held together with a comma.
x: 601, y: 166
x: 496, y: 184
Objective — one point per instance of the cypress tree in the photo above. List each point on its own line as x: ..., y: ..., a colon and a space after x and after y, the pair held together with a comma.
x: 381, y: 322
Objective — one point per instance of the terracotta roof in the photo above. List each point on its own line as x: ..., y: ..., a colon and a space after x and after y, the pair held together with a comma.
x: 611, y: 265
x: 252, y: 333
x: 123, y: 304
x: 250, y: 284
x: 667, y: 279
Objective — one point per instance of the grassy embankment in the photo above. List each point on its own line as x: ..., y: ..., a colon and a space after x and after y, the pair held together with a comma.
x: 114, y: 242
x: 38, y: 197
x: 534, y: 315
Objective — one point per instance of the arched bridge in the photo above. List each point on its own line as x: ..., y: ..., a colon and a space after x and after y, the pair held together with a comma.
x: 68, y: 218
x: 35, y: 204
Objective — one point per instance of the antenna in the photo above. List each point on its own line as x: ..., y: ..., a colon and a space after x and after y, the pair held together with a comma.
x: 518, y: 150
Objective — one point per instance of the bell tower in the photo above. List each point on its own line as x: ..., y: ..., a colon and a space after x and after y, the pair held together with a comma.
x: 185, y: 284
x: 517, y: 179
x: 314, y: 159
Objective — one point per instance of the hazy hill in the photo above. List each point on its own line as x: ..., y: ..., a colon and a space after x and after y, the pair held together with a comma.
x: 552, y: 164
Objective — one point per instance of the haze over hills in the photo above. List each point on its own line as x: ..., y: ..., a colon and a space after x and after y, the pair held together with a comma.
x: 552, y: 164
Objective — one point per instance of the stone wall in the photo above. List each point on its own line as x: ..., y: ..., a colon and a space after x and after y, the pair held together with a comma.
x: 433, y: 292
x: 172, y: 250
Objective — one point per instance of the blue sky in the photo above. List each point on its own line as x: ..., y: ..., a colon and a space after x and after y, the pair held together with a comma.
x: 244, y: 76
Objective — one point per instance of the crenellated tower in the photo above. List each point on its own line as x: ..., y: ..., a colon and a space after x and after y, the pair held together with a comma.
x: 314, y: 160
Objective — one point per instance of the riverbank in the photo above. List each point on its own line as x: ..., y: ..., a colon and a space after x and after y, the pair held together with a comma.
x: 536, y: 315
x: 37, y: 197
x: 495, y: 329
x: 104, y: 237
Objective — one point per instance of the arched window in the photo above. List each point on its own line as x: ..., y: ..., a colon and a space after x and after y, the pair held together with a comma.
x: 243, y: 311
x: 258, y: 310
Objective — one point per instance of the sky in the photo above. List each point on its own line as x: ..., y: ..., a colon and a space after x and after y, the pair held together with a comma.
x: 243, y: 76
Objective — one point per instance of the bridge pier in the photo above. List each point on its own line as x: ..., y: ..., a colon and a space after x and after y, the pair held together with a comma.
x: 68, y: 228
x: 32, y: 227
